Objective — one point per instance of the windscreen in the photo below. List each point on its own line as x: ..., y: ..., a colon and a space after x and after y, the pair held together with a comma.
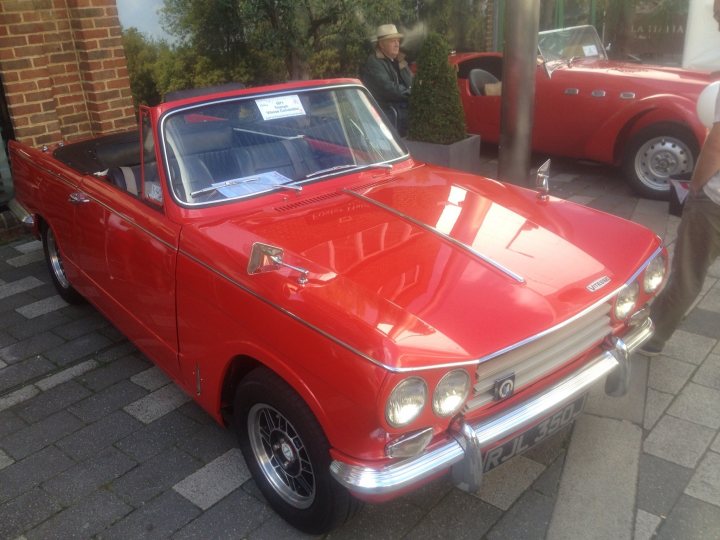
x: 239, y: 148
x: 571, y: 43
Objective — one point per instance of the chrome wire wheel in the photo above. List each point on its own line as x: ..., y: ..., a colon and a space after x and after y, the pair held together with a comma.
x: 281, y: 455
x: 661, y: 157
x: 55, y: 260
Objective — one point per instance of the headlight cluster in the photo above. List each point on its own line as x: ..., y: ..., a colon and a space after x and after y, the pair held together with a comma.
x: 408, y: 398
x: 406, y: 401
x: 627, y: 300
x: 651, y: 280
x: 654, y: 274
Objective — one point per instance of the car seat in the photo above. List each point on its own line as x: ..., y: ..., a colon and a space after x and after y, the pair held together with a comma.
x: 478, y: 78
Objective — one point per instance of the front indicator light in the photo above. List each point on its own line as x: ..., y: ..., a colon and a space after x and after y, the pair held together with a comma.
x: 654, y: 274
x: 406, y: 402
x: 409, y: 445
x: 626, y: 300
x: 451, y: 392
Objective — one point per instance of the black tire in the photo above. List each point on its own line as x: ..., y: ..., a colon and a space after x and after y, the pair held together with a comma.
x: 290, y: 459
x: 657, y: 153
x: 53, y: 258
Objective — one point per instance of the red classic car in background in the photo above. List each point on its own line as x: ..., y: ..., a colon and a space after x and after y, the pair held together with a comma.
x: 365, y: 322
x: 639, y: 117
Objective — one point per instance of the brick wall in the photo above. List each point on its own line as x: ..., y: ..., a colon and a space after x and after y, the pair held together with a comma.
x: 64, y: 69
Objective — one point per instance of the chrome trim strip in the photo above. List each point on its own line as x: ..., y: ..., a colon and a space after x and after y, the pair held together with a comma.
x: 134, y: 223
x: 396, y: 476
x: 63, y: 179
x: 644, y: 265
x: 442, y: 235
x: 572, y: 91
x: 627, y: 95
x: 289, y: 313
x: 598, y: 93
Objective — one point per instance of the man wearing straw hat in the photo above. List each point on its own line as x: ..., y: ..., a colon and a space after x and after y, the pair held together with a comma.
x: 387, y: 76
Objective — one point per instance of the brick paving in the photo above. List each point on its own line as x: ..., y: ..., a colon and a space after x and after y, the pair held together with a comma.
x: 95, y: 442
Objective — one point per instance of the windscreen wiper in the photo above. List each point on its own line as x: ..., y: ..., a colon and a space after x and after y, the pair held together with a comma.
x: 349, y: 166
x: 237, y: 181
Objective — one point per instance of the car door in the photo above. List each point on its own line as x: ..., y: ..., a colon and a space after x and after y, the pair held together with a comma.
x: 60, y: 194
x: 128, y: 249
x: 569, y: 108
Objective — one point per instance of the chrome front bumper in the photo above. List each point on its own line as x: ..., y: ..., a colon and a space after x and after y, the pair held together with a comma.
x: 463, y: 448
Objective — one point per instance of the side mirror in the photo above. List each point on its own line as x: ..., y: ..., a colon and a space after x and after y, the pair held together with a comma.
x: 266, y: 258
x: 542, y: 181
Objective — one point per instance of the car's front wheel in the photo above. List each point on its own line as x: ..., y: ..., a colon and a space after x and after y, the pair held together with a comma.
x: 288, y: 454
x: 657, y: 153
x: 54, y: 260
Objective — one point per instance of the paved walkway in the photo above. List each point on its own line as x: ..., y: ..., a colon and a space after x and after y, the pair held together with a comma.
x: 95, y: 442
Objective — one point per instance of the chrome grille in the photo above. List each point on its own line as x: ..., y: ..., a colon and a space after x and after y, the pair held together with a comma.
x: 538, y: 358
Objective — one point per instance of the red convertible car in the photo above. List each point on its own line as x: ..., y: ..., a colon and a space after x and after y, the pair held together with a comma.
x: 366, y: 322
x: 638, y: 117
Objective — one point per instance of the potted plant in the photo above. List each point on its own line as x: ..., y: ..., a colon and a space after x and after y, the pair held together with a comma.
x: 436, y: 120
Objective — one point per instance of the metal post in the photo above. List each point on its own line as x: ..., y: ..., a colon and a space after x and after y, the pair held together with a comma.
x: 522, y: 20
x: 560, y: 14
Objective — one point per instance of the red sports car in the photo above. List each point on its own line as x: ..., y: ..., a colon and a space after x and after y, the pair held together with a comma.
x: 638, y: 117
x: 365, y: 322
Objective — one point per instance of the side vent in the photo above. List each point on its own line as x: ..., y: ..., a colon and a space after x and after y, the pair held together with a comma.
x: 307, y: 202
x: 372, y: 184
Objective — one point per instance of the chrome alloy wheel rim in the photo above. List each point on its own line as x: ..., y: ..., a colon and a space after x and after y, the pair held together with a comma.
x: 56, y: 260
x: 662, y: 157
x: 282, y: 455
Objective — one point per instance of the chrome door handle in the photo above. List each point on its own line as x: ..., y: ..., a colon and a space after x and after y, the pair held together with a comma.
x: 78, y: 198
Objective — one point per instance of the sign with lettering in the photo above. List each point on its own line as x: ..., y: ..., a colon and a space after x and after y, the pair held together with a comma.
x: 280, y: 107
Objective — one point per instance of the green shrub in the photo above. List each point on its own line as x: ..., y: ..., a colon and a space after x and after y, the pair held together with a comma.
x: 436, y: 112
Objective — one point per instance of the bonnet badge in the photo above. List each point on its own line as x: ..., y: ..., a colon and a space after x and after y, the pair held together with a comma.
x: 598, y: 284
x: 504, y: 387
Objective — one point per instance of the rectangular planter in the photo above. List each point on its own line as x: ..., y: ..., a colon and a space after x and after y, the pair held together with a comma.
x: 463, y: 155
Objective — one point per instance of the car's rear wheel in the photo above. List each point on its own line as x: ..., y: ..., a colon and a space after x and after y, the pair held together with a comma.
x: 657, y: 153
x: 288, y: 454
x: 54, y: 260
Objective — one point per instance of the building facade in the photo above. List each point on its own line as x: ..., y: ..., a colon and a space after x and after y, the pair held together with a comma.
x: 63, y: 71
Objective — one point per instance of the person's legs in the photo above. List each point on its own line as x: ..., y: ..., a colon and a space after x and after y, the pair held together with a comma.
x: 698, y: 245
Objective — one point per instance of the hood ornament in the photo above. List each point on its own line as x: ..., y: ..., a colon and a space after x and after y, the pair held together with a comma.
x: 542, y: 181
x: 267, y: 258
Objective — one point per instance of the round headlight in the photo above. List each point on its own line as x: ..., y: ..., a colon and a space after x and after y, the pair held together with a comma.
x: 626, y: 300
x: 406, y: 402
x: 451, y: 392
x: 654, y: 274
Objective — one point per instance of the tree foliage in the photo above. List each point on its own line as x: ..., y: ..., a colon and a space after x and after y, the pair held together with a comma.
x: 142, y: 57
x: 274, y: 40
x: 267, y: 41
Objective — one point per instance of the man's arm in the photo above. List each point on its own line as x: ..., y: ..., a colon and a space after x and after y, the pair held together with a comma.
x: 708, y: 161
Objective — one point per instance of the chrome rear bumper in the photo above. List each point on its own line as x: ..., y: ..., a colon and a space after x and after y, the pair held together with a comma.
x: 464, y: 445
x: 24, y: 217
